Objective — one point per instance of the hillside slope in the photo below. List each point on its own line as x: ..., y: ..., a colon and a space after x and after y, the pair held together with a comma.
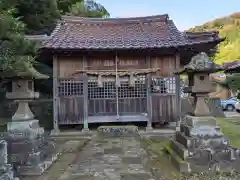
x: 228, y: 27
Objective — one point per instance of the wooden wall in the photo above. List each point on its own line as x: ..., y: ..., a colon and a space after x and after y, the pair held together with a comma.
x: 164, y: 106
x: 68, y: 65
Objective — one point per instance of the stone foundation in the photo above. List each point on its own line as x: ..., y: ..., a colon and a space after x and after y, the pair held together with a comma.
x: 200, y: 146
x: 31, y: 150
x: 118, y: 131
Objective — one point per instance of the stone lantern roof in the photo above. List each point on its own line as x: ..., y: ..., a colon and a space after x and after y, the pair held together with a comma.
x: 23, y: 69
x: 200, y: 63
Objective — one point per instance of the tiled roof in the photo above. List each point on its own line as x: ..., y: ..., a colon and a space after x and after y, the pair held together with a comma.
x: 120, y: 33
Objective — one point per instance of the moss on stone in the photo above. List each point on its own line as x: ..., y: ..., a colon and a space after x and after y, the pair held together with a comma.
x: 168, y: 149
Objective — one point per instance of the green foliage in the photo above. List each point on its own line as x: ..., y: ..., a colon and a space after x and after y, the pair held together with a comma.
x: 12, y: 43
x: 65, y: 5
x: 13, y: 46
x: 233, y: 81
x: 40, y: 16
x: 88, y: 9
x: 229, y: 28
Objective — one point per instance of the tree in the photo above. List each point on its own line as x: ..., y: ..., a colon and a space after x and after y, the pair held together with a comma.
x: 12, y: 43
x: 83, y: 8
x: 64, y: 6
x: 88, y: 9
x: 40, y: 16
x: 228, y: 27
x: 13, y: 47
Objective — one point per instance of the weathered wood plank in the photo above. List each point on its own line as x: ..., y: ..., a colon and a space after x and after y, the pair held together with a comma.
x: 71, y: 110
x: 163, y: 108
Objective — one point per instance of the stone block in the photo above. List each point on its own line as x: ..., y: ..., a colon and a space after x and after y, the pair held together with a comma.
x: 7, y: 173
x: 18, y: 130
x: 116, y: 131
x: 185, y: 129
x: 201, y: 131
x: 176, y: 160
x: 31, y: 151
x: 187, y: 141
x: 179, y: 149
x: 200, y: 157
x: 3, y: 153
x: 26, y: 146
x: 198, y: 121
x: 38, y: 169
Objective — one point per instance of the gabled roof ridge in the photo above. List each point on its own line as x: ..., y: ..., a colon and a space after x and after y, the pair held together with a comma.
x: 77, y: 19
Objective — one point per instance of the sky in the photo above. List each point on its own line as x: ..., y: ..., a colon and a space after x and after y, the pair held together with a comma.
x: 185, y: 13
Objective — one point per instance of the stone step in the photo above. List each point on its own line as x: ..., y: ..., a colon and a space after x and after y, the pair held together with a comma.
x: 179, y: 149
x: 176, y: 160
x: 188, y: 142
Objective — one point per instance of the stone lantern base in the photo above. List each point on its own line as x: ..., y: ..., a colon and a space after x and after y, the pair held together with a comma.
x: 31, y: 151
x: 200, y: 146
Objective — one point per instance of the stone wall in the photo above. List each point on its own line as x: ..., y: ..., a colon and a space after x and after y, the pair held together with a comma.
x: 42, y: 109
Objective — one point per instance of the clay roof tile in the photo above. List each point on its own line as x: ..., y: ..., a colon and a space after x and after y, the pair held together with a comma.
x: 119, y: 33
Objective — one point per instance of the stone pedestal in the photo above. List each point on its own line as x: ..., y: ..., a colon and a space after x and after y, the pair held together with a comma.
x: 31, y: 151
x: 201, y: 146
x: 201, y: 106
x: 6, y: 172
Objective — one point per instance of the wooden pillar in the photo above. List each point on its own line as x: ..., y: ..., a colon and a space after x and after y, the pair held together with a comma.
x: 85, y: 103
x: 149, y: 98
x: 117, y: 85
x: 178, y: 94
x: 55, y: 94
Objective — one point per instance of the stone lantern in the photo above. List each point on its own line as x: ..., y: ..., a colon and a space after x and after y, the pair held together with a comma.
x: 22, y: 91
x: 199, y: 83
x: 200, y: 145
x: 27, y: 142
